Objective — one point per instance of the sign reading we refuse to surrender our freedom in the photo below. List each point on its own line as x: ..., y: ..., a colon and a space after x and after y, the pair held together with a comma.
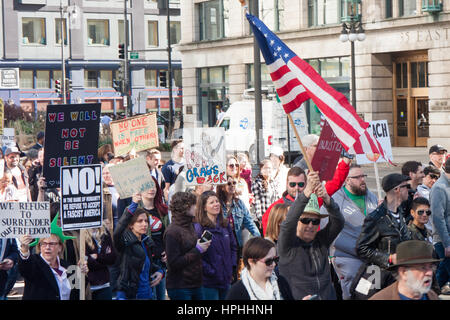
x: 71, y: 138
x: 24, y: 218
x: 138, y: 133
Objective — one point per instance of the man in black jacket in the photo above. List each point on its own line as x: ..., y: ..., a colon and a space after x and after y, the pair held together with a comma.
x: 383, y: 229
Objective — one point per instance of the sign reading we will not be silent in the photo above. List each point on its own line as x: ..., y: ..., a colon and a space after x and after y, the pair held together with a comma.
x: 24, y: 218
x: 81, y: 197
x: 131, y: 177
x: 138, y: 133
x: 71, y: 138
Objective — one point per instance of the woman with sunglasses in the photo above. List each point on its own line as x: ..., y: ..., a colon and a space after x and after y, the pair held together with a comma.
x: 237, y: 214
x: 259, y: 281
x: 264, y: 191
x: 220, y: 258
x: 233, y: 171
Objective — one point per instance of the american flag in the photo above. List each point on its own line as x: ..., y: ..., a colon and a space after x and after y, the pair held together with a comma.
x: 296, y: 81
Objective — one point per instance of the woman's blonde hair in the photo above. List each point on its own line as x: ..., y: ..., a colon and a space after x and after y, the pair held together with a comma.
x: 276, y: 217
x: 91, y: 235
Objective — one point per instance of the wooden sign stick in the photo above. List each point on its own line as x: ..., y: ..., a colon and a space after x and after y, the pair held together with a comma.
x: 300, y: 142
x: 82, y: 255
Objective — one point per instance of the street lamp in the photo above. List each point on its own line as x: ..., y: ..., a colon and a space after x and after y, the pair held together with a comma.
x: 352, y: 31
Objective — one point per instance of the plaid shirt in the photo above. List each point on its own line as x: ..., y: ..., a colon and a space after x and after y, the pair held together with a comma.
x: 263, y: 198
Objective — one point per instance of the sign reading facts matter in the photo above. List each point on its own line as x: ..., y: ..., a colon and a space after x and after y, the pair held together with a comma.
x: 138, y: 133
x: 71, y: 138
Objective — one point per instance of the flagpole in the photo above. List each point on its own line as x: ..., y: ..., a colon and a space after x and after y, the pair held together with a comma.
x: 300, y: 142
x: 377, y: 178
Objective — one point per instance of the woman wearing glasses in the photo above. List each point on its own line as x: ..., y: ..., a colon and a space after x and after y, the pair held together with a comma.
x: 233, y: 171
x: 44, y: 272
x: 259, y: 281
x: 237, y: 214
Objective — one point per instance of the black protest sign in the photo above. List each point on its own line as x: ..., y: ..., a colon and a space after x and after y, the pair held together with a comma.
x: 81, y: 197
x: 71, y: 138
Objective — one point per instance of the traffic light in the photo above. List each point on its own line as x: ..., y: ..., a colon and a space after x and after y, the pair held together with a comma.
x: 121, y: 51
x: 162, y: 79
x: 58, y: 86
x: 69, y: 85
x: 117, y: 85
x: 120, y: 72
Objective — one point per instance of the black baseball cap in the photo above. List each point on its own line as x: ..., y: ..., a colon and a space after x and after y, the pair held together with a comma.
x: 392, y: 180
x: 436, y: 148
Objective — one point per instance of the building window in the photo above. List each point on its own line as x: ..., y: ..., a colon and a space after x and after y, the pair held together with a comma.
x: 26, y: 79
x: 175, y: 32
x: 406, y: 8
x: 150, y: 77
x: 213, y: 93
x: 105, y: 80
x: 98, y: 32
x: 90, y: 78
x: 323, y: 12
x: 33, y: 31
x: 388, y: 8
x: 177, y: 78
x: 271, y: 12
x: 266, y: 80
x: 42, y: 79
x: 121, y: 31
x: 213, y: 19
x: 58, y: 31
x: 153, y: 33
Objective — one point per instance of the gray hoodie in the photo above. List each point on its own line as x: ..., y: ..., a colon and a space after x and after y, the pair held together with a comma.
x: 345, y: 243
x: 440, y: 207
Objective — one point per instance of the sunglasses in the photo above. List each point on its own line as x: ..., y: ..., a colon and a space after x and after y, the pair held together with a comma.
x: 421, y: 212
x: 299, y: 184
x: 315, y: 221
x: 269, y: 261
x: 232, y: 165
x: 359, y: 177
x: 229, y: 183
x: 433, y: 176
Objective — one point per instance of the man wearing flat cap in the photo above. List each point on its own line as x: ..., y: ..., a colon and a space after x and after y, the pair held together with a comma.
x: 384, y: 228
x: 414, y: 273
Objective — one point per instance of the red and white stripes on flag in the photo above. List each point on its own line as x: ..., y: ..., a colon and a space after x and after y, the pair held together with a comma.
x: 289, y: 89
x: 296, y: 81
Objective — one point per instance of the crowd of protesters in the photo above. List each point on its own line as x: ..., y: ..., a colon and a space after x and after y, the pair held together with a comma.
x: 276, y: 234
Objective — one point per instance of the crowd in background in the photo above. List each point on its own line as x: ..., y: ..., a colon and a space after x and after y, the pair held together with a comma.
x: 279, y: 233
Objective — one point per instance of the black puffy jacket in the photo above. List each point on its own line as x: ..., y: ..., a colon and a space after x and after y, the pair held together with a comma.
x: 131, y: 256
x: 380, y: 235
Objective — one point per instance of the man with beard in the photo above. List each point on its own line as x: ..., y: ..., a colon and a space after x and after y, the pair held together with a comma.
x: 413, y: 271
x: 355, y: 201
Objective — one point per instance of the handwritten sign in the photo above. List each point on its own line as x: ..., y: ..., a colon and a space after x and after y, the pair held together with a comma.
x: 327, y: 153
x: 379, y: 129
x: 8, y: 137
x: 81, y: 197
x: 71, y: 138
x: 205, y: 156
x: 131, y: 177
x: 24, y: 218
x: 2, y: 115
x: 138, y: 133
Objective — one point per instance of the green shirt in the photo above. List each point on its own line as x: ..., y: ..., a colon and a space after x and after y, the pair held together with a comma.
x: 360, y: 201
